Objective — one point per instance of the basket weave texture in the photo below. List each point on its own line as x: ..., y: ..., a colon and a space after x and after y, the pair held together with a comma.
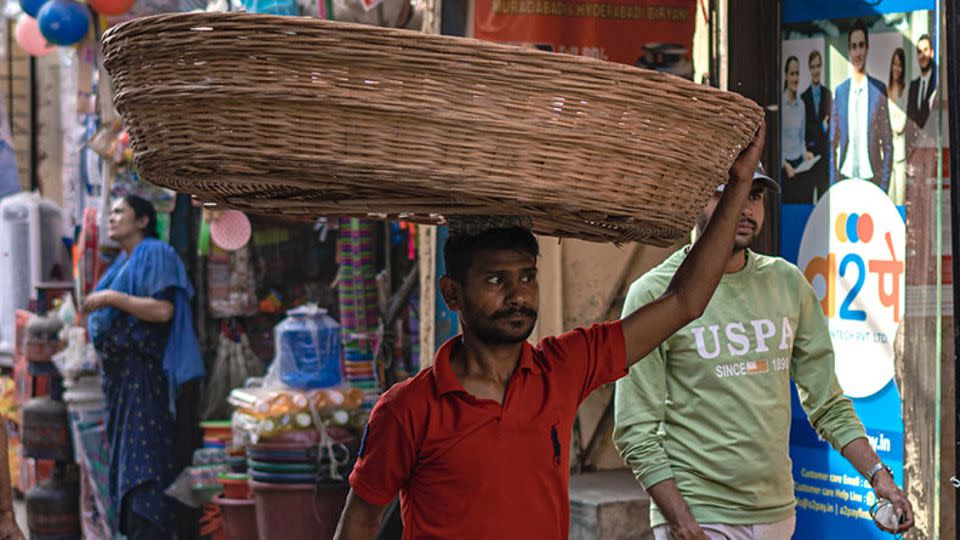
x: 302, y: 116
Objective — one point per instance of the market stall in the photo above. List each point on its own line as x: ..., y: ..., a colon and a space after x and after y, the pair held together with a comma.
x: 255, y: 277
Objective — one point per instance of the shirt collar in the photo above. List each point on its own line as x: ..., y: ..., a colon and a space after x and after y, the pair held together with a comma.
x: 926, y: 78
x: 447, y: 382
x: 854, y: 85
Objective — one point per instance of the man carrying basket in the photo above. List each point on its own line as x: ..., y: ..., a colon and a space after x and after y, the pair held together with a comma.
x: 477, y: 445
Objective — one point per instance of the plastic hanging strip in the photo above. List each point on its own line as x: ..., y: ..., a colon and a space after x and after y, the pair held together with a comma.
x: 326, y: 443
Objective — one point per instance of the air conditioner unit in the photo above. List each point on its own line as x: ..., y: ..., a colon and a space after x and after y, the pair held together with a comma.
x: 32, y: 251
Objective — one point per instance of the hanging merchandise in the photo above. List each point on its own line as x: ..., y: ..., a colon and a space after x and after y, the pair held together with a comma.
x: 203, y: 236
x: 358, y: 306
x: 403, y: 234
x: 76, y: 81
x: 230, y: 229
x: 88, y: 267
x: 91, y: 175
x: 235, y: 363
x: 413, y: 330
x: 66, y: 310
x: 105, y: 139
x: 79, y: 357
x: 272, y: 303
x: 231, y: 284
x: 9, y: 174
x: 64, y: 22
x: 29, y: 37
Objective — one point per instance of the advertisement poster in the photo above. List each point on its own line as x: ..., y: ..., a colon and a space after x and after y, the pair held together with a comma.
x: 656, y: 34
x: 858, y: 85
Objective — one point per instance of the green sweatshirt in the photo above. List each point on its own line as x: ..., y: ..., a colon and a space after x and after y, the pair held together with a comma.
x: 710, y: 407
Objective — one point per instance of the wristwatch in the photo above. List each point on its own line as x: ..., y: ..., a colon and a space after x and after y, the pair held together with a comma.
x: 877, y: 468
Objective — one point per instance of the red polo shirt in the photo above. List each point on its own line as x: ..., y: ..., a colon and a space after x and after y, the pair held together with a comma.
x: 471, y: 468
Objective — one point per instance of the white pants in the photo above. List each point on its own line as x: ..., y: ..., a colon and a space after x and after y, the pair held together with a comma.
x: 781, y: 530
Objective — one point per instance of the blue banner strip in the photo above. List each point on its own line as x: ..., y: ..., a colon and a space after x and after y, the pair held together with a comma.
x: 795, y: 11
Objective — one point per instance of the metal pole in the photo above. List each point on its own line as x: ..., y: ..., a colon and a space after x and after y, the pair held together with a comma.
x: 10, y: 44
x: 34, y: 121
x: 953, y: 124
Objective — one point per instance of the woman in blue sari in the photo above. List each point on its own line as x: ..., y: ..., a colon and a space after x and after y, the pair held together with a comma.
x: 140, y: 324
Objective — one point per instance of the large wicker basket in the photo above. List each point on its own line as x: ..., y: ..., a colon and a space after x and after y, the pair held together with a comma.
x: 309, y: 117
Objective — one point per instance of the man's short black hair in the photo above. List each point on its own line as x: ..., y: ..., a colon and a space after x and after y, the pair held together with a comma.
x: 927, y: 38
x: 859, y: 25
x: 459, y: 250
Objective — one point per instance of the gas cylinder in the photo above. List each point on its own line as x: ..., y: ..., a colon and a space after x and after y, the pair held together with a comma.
x: 53, y: 507
x: 42, y: 339
x: 45, y: 433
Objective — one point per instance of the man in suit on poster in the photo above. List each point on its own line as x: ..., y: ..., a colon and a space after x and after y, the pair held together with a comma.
x: 861, y: 142
x: 818, y: 103
x: 921, y: 92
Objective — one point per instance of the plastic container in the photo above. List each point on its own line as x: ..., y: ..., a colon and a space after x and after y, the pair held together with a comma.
x: 283, y: 453
x: 299, y: 511
x: 217, y: 429
x: 86, y: 407
x: 235, y: 486
x: 239, y: 517
x: 308, y: 348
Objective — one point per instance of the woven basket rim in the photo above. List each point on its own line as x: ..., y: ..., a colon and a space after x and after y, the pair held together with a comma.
x: 571, y: 75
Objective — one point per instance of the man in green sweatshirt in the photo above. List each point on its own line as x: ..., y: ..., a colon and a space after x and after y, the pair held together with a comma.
x: 704, y: 419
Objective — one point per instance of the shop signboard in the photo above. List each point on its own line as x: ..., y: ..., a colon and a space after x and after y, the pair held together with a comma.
x: 858, y: 85
x: 656, y: 34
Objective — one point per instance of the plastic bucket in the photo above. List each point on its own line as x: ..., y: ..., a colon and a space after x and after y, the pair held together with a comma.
x: 298, y: 511
x: 239, y: 517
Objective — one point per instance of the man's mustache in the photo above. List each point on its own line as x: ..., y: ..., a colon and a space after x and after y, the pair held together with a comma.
x: 751, y: 222
x: 507, y: 313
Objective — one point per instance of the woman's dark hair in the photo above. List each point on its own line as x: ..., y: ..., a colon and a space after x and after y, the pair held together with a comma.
x: 143, y: 208
x: 786, y: 69
x: 459, y: 250
x: 903, y: 69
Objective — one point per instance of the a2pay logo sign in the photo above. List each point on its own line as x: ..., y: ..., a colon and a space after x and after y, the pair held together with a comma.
x: 852, y: 252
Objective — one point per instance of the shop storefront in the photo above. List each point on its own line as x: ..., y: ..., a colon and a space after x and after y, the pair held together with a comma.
x: 865, y: 214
